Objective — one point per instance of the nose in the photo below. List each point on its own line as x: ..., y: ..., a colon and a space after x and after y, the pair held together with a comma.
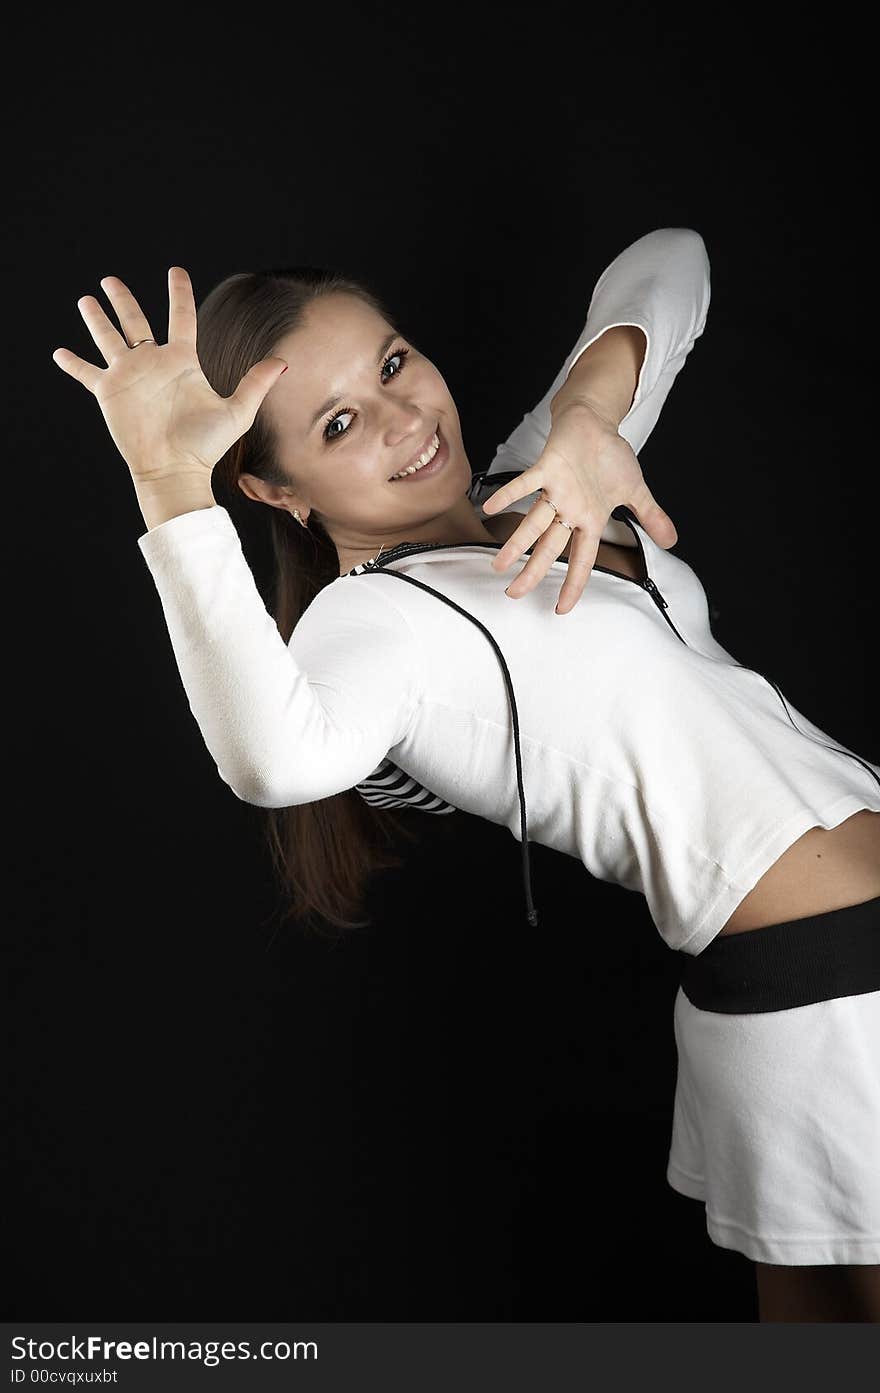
x: 413, y: 430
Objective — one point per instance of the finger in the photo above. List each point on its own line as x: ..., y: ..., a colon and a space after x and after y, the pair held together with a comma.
x: 83, y: 371
x: 135, y: 325
x: 581, y: 560
x: 182, y: 319
x: 520, y: 487
x: 534, y: 524
x: 253, y: 388
x: 543, y: 555
x: 657, y: 523
x: 106, y: 336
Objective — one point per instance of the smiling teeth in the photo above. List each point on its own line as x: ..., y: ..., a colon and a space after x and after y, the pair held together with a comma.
x: 422, y: 460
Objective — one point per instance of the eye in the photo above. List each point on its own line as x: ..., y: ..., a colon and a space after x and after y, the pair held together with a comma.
x: 329, y: 436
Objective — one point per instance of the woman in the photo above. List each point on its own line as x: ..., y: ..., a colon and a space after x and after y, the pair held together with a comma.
x: 396, y: 672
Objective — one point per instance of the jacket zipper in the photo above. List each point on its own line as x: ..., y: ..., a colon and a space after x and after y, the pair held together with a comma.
x: 661, y: 602
x: 820, y: 743
x: 648, y: 585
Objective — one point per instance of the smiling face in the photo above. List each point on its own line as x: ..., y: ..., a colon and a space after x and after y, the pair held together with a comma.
x: 359, y: 404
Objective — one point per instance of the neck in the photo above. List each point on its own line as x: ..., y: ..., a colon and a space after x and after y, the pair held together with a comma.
x: 462, y: 523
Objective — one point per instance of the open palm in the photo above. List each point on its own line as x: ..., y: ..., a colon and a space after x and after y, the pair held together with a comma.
x: 162, y: 413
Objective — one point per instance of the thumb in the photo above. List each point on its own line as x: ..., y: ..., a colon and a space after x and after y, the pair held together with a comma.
x: 657, y: 523
x: 254, y: 387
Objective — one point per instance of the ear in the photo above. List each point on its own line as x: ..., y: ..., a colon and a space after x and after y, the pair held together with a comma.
x: 261, y: 492
x: 246, y: 484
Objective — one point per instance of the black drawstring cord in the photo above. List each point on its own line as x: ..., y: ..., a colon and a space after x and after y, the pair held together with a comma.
x: 531, y: 912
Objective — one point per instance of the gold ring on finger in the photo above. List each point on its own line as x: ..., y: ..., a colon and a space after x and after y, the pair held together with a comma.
x: 545, y: 499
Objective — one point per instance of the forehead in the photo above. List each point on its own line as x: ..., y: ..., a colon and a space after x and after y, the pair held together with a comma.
x: 342, y: 326
x: 332, y: 352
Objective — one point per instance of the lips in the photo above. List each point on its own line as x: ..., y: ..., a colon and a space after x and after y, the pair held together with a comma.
x: 426, y: 445
x: 428, y: 471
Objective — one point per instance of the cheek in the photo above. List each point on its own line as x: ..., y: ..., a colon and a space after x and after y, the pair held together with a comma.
x: 439, y: 390
x: 349, y: 487
x: 434, y: 378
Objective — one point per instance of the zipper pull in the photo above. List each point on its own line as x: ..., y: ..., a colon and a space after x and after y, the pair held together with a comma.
x: 373, y: 563
x: 655, y: 594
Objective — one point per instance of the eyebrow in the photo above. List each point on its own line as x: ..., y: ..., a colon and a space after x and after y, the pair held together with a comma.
x: 332, y: 401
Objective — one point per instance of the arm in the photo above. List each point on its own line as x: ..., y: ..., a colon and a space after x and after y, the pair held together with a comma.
x: 284, y: 723
x: 181, y: 495
x: 659, y: 284
x: 606, y: 374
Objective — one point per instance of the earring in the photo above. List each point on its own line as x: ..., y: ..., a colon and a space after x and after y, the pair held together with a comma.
x: 299, y: 519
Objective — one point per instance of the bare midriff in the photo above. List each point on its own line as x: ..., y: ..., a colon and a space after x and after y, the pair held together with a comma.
x: 826, y: 868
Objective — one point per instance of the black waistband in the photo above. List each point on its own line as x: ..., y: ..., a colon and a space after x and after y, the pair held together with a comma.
x: 793, y: 963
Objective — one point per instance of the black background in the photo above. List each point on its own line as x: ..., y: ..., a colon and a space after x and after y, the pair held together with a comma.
x: 450, y: 1116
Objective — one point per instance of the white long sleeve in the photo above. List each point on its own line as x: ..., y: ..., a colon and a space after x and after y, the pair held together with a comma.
x: 284, y: 723
x: 661, y: 283
x: 687, y: 797
x: 292, y: 723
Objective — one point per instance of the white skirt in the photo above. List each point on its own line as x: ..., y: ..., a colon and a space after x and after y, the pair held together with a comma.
x: 776, y: 1126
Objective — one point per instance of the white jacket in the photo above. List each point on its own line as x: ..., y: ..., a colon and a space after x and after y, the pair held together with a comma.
x: 621, y: 733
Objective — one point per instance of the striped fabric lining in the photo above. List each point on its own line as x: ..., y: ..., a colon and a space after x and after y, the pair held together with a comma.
x: 389, y: 787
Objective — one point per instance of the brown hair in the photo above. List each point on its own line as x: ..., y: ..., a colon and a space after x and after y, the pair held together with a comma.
x: 324, y: 853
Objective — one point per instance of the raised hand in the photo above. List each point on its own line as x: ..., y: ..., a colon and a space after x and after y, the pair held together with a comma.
x: 587, y: 469
x: 163, y: 415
